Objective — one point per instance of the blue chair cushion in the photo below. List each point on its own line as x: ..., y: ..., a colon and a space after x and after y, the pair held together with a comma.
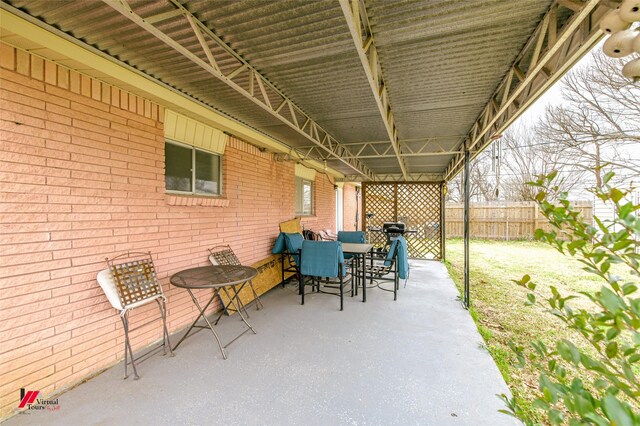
x: 293, y: 242
x: 392, y: 253
x: 322, y: 258
x: 279, y: 246
x: 403, y: 259
x: 352, y: 237
x: 399, y: 249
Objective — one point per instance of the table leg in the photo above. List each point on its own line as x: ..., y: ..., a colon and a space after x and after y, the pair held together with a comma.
x: 202, y: 311
x: 364, y: 279
x: 226, y: 308
x: 239, y: 311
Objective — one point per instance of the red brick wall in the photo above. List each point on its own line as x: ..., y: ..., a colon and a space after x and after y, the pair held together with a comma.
x: 81, y: 179
x: 350, y: 205
x: 325, y: 206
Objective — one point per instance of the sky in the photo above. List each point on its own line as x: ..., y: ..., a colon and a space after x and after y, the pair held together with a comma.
x: 553, y: 96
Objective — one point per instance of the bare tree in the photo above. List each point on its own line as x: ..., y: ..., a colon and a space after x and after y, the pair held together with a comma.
x: 598, y: 126
x: 525, y: 158
x: 482, y: 184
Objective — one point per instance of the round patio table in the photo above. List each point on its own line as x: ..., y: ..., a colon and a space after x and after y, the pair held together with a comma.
x: 230, y: 279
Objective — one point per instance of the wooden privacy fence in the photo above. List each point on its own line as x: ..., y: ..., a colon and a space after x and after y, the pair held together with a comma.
x: 503, y: 221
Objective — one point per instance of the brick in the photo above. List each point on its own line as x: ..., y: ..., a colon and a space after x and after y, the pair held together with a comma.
x: 34, y: 344
x: 51, y: 266
x: 28, y: 359
x: 37, y: 68
x: 11, y: 382
x: 97, y: 311
x: 85, y: 85
x: 22, y: 178
x: 80, y: 111
x: 7, y: 218
x: 132, y: 102
x: 31, y: 131
x: 106, y: 93
x: 21, y: 119
x: 30, y: 328
x: 7, y: 56
x: 23, y: 62
x: 124, y: 100
x: 37, y: 189
x: 14, y: 281
x: 74, y: 82
x: 74, y: 270
x: 50, y: 285
x: 87, y: 342
x: 13, y: 241
x: 20, y: 98
x: 115, y: 98
x: 63, y: 78
x: 57, y: 378
x: 34, y: 227
x: 77, y: 201
x: 96, y: 90
x: 20, y: 259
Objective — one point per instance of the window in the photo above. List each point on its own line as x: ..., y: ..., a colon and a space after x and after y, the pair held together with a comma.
x: 191, y: 170
x: 304, y: 197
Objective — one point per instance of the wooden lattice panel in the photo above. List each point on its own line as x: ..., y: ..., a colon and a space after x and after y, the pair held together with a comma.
x: 419, y: 209
x: 418, y: 205
x: 380, y: 201
x: 135, y: 281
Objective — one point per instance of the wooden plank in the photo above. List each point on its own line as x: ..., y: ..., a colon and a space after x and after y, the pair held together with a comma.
x: 269, y: 276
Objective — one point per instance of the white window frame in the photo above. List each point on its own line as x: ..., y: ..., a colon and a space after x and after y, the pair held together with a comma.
x: 299, y: 184
x: 193, y: 171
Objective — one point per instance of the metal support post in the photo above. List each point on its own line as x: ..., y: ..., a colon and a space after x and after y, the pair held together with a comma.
x: 467, y: 167
x: 443, y: 224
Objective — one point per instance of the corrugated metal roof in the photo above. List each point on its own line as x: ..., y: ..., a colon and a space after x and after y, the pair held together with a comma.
x: 441, y: 61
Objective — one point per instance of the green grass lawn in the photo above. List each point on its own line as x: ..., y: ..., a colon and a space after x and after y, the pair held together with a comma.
x: 497, y: 304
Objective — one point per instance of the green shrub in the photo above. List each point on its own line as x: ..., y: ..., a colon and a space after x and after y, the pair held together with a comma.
x: 593, y: 380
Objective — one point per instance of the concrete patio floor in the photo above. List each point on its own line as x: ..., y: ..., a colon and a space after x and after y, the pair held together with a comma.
x: 416, y: 361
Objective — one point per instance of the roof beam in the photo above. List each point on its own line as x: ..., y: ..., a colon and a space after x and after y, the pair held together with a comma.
x: 355, y: 14
x: 550, y: 52
x: 261, y: 97
x: 397, y: 177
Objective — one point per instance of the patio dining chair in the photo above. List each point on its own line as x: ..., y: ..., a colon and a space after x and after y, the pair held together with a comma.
x: 130, y: 281
x: 390, y: 266
x: 351, y: 237
x: 224, y: 255
x: 327, y: 235
x: 288, y: 245
x: 322, y: 265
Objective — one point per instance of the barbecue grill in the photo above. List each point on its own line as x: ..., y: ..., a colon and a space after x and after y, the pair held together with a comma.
x: 392, y: 230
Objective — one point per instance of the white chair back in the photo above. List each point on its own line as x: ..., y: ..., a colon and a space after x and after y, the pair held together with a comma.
x: 108, y: 284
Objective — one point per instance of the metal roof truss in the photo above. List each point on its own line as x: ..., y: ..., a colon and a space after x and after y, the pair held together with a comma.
x: 259, y: 90
x: 549, y: 53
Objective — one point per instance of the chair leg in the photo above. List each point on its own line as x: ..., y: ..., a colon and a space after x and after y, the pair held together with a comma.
x: 127, y: 344
x: 301, y: 288
x: 165, y: 332
x: 395, y: 287
x: 341, y: 293
x: 282, y: 264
